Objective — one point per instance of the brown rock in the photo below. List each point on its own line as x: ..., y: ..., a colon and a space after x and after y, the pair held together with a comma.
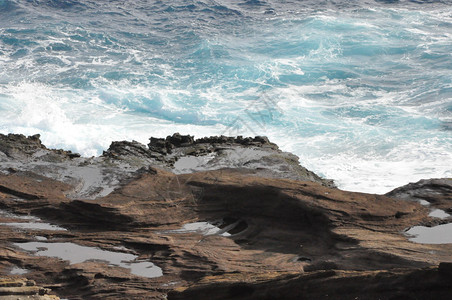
x: 21, y: 288
x: 273, y: 238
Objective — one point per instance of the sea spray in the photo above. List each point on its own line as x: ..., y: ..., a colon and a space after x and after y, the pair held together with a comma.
x: 360, y: 90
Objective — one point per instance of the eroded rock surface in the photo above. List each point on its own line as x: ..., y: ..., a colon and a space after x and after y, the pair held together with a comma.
x: 98, y: 176
x: 185, y: 154
x: 17, y: 288
x: 436, y: 191
x: 206, y: 232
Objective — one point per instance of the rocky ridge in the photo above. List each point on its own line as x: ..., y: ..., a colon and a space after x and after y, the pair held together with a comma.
x: 436, y: 191
x: 221, y: 217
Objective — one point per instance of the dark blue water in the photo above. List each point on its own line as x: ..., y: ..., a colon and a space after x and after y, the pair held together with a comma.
x: 360, y: 90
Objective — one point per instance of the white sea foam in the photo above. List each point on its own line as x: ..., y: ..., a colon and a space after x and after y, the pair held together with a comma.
x: 66, y: 120
x: 50, y: 112
x: 360, y: 94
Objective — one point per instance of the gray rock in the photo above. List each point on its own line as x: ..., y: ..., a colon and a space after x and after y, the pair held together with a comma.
x: 97, y: 176
x: 436, y: 190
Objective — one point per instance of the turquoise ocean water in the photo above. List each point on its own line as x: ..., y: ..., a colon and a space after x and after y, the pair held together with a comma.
x: 361, y: 91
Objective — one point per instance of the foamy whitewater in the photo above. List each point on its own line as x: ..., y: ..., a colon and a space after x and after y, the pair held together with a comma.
x: 361, y: 91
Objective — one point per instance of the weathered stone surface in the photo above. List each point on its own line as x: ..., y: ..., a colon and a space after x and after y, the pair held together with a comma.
x: 437, y: 191
x: 425, y: 283
x: 18, y: 146
x: 96, y: 176
x: 266, y: 235
x: 21, y: 288
x: 125, y: 148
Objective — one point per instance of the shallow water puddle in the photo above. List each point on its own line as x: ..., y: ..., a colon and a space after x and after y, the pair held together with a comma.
x: 187, y: 164
x: 76, y: 254
x: 438, y: 213
x: 18, y: 271
x: 424, y: 202
x: 441, y: 234
x: 435, y: 212
x: 34, y: 226
x: 30, y: 222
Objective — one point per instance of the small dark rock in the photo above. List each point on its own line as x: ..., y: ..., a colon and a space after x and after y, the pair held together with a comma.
x: 302, y: 258
x: 399, y: 214
x: 124, y: 148
x: 73, y: 155
x: 262, y: 139
x: 179, y: 140
x: 158, y: 145
x: 12, y: 170
x: 321, y: 265
x: 30, y: 283
x: 35, y: 137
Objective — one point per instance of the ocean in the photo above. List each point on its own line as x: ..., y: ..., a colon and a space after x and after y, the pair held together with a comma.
x: 361, y: 91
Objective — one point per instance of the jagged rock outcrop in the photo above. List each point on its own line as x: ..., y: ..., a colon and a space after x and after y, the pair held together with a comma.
x: 18, y: 146
x: 436, y: 191
x: 237, y: 232
x: 97, y: 176
x: 14, y: 145
x: 185, y: 154
x: 165, y: 146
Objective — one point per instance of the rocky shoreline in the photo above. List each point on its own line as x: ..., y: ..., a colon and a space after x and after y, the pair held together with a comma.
x: 209, y: 218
